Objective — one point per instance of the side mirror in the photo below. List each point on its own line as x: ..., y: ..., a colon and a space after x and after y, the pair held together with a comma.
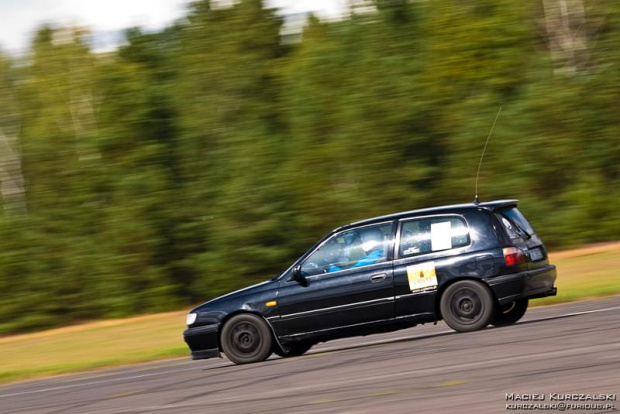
x: 298, y: 276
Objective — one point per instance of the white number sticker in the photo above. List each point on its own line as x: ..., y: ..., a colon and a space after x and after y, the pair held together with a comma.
x: 441, y: 236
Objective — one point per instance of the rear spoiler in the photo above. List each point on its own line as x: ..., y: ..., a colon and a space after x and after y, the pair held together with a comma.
x: 498, y: 205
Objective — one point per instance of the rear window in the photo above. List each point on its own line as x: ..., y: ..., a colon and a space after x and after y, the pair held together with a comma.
x: 515, y: 222
x: 432, y: 234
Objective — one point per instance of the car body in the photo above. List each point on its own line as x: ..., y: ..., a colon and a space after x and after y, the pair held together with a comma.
x: 469, y: 264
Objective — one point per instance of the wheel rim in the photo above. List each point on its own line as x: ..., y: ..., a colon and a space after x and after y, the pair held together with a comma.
x: 245, y: 338
x: 466, y: 306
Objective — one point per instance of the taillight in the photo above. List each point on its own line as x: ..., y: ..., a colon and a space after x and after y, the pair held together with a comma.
x: 513, y: 256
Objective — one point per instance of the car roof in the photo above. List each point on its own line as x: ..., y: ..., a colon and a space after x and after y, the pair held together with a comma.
x: 489, y: 205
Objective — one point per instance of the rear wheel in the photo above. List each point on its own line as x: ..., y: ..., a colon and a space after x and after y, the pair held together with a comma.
x: 509, y: 314
x: 467, y: 306
x: 246, y: 338
x: 292, y: 350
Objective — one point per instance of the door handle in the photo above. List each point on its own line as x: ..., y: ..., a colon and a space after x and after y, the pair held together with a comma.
x: 378, y: 277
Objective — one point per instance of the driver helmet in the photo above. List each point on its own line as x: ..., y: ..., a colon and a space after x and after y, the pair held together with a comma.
x: 371, y: 239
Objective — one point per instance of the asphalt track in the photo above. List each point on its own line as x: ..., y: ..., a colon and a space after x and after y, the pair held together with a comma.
x: 573, y: 348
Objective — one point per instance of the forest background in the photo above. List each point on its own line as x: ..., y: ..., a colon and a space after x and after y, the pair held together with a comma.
x: 208, y: 156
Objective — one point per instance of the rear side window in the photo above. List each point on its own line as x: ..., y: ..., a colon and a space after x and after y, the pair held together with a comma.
x: 432, y: 234
x: 515, y: 223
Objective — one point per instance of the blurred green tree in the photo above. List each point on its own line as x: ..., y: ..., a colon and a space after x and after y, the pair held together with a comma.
x: 209, y: 155
x: 231, y: 142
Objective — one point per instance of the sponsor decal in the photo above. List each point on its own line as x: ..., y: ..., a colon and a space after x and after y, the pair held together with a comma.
x: 422, y: 277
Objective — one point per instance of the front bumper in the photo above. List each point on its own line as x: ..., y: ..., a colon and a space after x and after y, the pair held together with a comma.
x: 203, y: 341
x: 529, y: 284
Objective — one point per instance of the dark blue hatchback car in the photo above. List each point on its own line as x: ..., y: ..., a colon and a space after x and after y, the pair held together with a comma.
x: 471, y: 265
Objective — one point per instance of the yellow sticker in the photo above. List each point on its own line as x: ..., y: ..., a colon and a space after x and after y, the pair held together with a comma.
x: 422, y: 277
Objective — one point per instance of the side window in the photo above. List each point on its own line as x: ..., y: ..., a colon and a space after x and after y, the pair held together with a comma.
x: 432, y: 234
x: 359, y: 247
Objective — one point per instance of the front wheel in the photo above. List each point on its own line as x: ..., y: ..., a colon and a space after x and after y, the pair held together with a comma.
x: 509, y: 314
x: 467, y: 306
x: 246, y: 338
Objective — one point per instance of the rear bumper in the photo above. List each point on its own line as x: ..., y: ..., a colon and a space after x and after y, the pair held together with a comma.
x: 530, y: 284
x: 552, y: 292
x: 203, y: 341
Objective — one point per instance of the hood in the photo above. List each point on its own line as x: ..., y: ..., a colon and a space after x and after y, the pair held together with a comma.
x: 237, y: 295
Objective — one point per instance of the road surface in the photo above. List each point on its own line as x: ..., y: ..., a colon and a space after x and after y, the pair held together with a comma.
x: 572, y: 348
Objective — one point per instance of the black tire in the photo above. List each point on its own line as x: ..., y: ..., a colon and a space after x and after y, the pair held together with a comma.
x: 467, y: 306
x: 246, y: 338
x: 510, y: 314
x: 292, y: 350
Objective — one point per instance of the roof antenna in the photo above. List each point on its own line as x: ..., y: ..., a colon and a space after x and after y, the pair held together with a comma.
x: 476, y: 200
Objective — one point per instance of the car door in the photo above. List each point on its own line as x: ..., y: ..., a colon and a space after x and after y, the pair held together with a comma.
x: 429, y: 251
x: 344, y: 284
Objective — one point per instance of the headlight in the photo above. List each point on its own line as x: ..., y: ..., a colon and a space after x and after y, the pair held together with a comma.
x: 191, y: 318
